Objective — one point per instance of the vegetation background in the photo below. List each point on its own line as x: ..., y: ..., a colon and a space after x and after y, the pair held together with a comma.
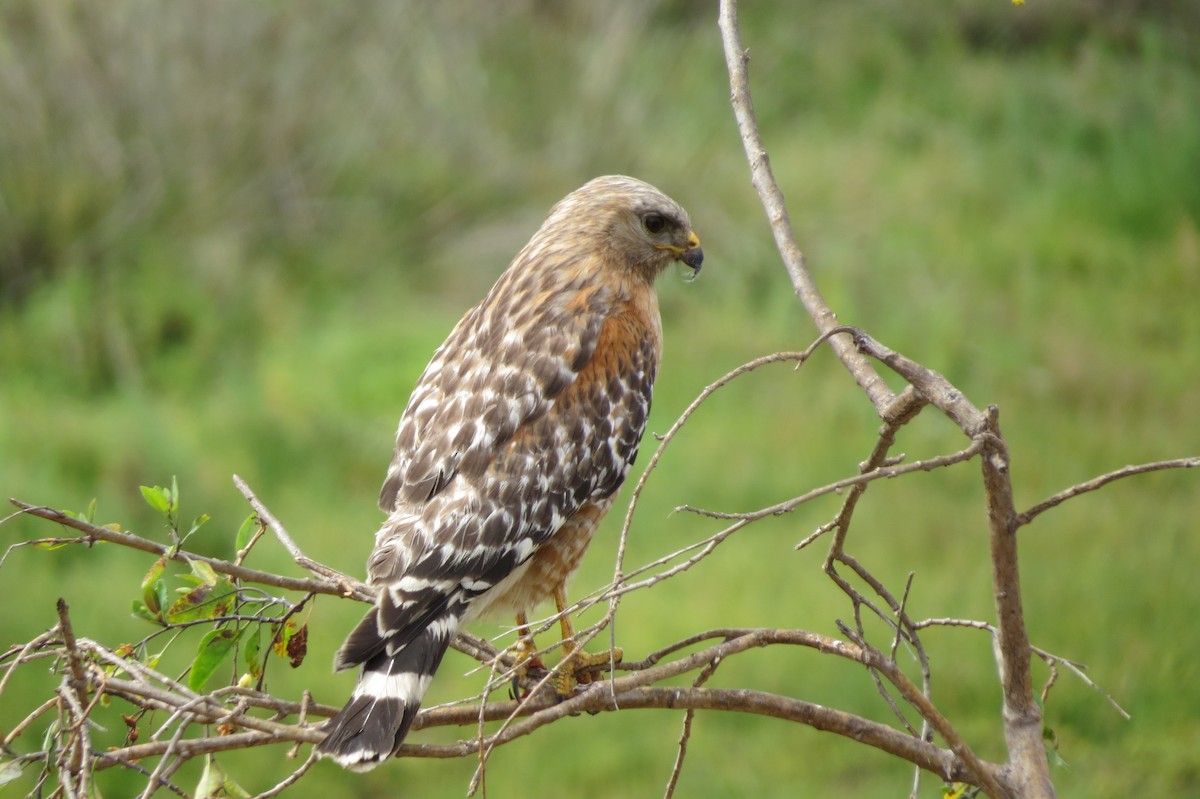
x: 232, y: 234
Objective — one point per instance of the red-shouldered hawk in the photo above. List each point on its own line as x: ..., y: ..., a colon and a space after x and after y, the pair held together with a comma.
x: 514, y: 441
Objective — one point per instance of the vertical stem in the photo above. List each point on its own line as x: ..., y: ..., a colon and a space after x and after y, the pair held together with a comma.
x: 1029, y: 768
x: 77, y: 765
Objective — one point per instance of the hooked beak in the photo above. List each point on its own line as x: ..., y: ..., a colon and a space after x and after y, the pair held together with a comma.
x: 691, y: 255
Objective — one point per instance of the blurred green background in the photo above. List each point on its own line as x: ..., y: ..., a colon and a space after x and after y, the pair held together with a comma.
x: 231, y: 235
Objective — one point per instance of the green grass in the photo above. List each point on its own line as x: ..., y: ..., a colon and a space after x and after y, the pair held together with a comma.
x: 231, y: 238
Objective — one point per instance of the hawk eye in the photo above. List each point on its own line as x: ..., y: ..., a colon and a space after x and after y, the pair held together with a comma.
x: 654, y: 223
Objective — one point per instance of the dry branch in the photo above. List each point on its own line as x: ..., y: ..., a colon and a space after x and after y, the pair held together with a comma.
x: 1099, y: 482
x: 98, y: 533
x: 736, y: 60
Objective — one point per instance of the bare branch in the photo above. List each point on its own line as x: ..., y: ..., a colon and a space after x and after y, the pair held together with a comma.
x: 1049, y: 658
x: 885, y: 472
x: 97, y: 533
x: 1100, y: 482
x: 1022, y: 716
x: 291, y: 779
x: 190, y: 748
x: 598, y: 699
x: 352, y: 587
x: 1078, y: 670
x: 929, y: 386
x: 736, y: 60
x: 685, y: 735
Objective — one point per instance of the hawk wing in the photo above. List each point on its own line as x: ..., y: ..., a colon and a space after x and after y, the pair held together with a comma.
x: 502, y: 367
x: 529, y: 409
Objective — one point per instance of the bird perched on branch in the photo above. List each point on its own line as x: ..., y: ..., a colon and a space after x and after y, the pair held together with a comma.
x: 514, y: 441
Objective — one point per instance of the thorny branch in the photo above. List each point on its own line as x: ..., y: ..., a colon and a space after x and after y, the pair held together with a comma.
x: 235, y: 717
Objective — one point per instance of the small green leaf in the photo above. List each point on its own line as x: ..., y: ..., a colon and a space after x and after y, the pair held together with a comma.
x: 152, y: 586
x: 161, y: 589
x: 205, y: 572
x: 246, y: 532
x: 51, y: 545
x: 90, y: 516
x: 158, y: 498
x: 1050, y: 737
x: 50, y: 737
x: 251, y: 647
x: 199, y: 522
x: 202, y: 602
x: 215, y: 783
x: 214, y: 648
x: 142, y: 612
x: 174, y: 495
x: 9, y: 771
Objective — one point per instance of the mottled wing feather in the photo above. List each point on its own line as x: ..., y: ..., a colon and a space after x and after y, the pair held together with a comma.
x: 497, y: 505
x: 500, y: 368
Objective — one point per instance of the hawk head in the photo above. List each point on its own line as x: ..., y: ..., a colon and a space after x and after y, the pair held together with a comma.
x: 627, y: 222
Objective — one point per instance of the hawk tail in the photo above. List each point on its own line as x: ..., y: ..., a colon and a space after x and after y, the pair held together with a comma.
x: 388, y: 695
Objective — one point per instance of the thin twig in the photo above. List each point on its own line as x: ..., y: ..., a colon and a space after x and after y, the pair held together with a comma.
x: 613, y: 595
x: 351, y: 587
x: 736, y: 61
x: 159, y: 770
x: 884, y: 472
x: 1049, y: 658
x: 25, y: 722
x: 1099, y: 482
x: 27, y: 650
x: 908, y: 405
x: 685, y: 735
x: 291, y: 779
x: 222, y: 566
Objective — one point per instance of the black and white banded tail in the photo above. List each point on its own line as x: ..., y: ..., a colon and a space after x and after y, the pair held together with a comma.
x: 397, y: 667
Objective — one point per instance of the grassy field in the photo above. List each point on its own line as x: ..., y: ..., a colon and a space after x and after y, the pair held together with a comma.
x: 231, y: 235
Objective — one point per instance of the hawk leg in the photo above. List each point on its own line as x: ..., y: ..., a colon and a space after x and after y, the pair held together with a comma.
x: 524, y: 657
x: 576, y: 666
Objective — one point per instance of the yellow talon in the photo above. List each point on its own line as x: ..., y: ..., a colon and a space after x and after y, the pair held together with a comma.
x: 575, y: 668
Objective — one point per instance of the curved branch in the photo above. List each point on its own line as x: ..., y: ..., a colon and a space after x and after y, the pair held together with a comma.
x: 942, y: 762
x: 761, y: 176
